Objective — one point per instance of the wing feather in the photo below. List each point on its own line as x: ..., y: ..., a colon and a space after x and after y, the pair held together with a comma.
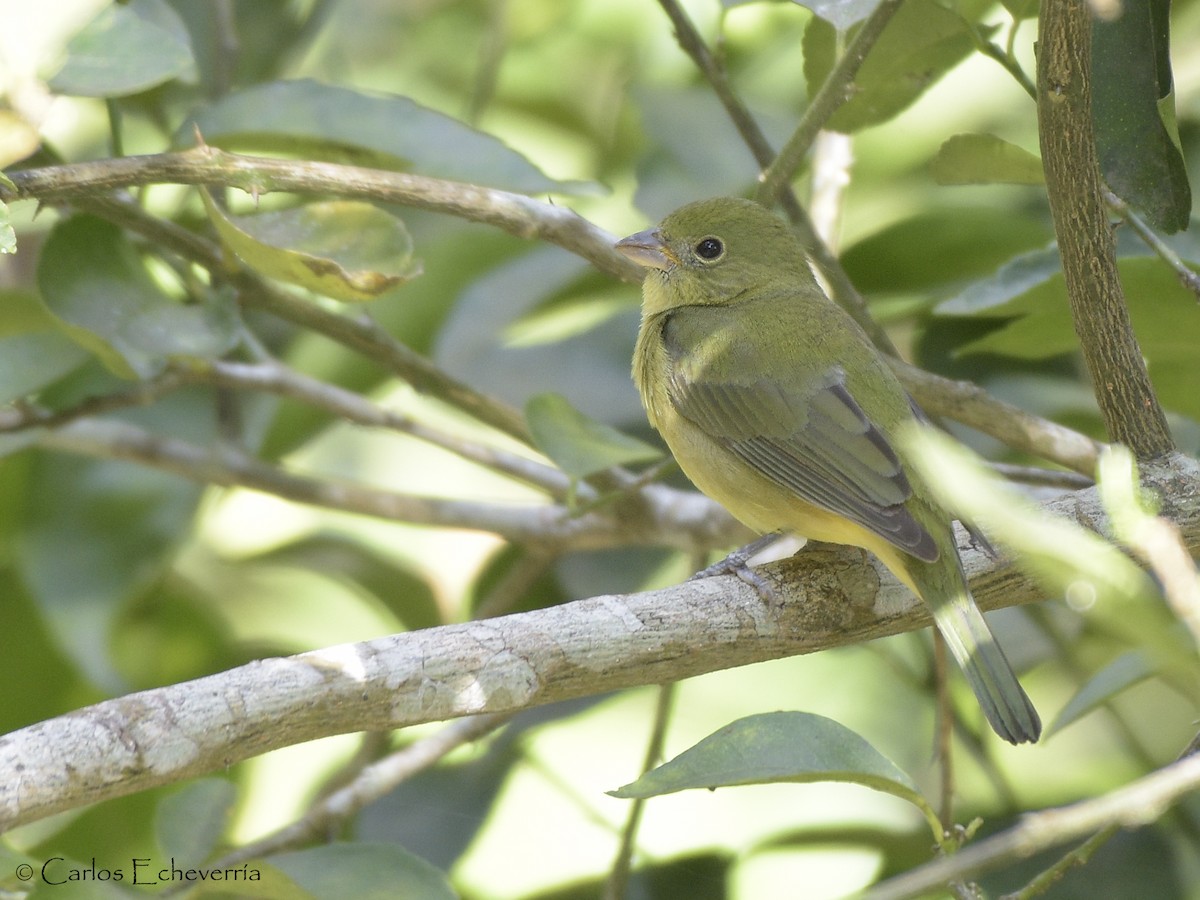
x: 817, y: 443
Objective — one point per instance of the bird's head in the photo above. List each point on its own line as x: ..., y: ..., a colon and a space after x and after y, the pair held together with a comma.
x: 715, y: 252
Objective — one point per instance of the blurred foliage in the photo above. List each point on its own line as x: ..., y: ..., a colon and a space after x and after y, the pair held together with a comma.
x: 114, y: 577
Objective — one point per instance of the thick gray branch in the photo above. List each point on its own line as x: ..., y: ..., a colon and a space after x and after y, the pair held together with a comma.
x: 826, y: 597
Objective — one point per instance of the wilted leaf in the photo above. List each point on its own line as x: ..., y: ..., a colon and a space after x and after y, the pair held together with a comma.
x: 985, y: 159
x: 101, y: 294
x: 315, y: 120
x: 345, y: 249
x: 579, y: 445
x: 128, y: 48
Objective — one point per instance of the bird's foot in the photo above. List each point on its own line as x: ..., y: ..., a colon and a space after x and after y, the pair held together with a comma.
x: 737, y: 564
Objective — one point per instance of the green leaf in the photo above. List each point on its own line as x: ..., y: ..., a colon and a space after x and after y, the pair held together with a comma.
x: 923, y: 41
x: 345, y: 249
x: 779, y: 747
x: 1133, y: 106
x: 313, y: 120
x: 1065, y: 558
x: 1056, y: 551
x: 956, y: 244
x: 1021, y: 9
x: 580, y: 446
x: 128, y: 48
x: 985, y: 159
x: 33, y: 351
x: 118, y: 520
x: 190, y: 822
x: 98, y: 289
x: 1017, y: 276
x: 1165, y: 318
x: 363, y: 871
x: 1123, y: 672
x: 484, y: 339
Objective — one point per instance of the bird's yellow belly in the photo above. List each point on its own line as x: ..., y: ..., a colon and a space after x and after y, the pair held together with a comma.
x: 755, y: 500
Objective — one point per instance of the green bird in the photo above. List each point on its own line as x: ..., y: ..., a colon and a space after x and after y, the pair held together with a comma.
x: 776, y: 405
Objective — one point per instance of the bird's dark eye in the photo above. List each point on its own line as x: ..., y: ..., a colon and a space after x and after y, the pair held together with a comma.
x: 709, y: 248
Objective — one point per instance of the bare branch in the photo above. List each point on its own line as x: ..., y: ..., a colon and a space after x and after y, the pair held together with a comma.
x: 515, y: 213
x: 276, y: 378
x: 968, y: 403
x: 656, y: 516
x: 353, y: 330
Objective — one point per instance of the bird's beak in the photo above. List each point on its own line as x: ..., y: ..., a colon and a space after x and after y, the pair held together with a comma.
x: 647, y: 248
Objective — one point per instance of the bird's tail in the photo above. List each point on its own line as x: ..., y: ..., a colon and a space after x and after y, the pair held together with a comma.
x: 1003, y: 700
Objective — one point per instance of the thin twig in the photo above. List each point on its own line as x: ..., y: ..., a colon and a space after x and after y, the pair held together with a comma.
x: 356, y: 331
x: 276, y: 378
x: 664, y: 519
x: 1073, y: 859
x: 1189, y: 279
x: 618, y: 877
x: 834, y: 91
x: 957, y: 400
x: 971, y: 405
x: 1005, y: 59
x: 27, y: 416
x: 372, y: 783
x: 1139, y: 803
x: 1039, y: 477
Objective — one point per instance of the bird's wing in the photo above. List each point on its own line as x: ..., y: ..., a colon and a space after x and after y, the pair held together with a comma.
x: 814, y: 441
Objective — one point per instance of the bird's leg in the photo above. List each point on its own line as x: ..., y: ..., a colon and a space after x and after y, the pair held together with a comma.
x: 736, y: 563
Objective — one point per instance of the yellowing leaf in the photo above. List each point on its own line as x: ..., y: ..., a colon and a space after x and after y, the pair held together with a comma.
x: 345, y: 249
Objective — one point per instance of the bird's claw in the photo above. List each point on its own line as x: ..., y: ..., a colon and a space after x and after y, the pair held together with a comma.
x: 737, y: 564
